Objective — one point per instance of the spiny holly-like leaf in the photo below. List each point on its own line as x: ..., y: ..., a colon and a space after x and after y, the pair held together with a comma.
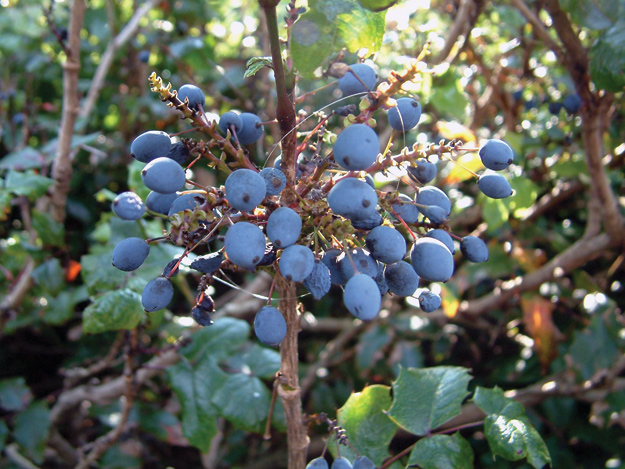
x: 442, y: 452
x: 515, y: 439
x: 425, y: 398
x: 255, y: 64
x: 195, y: 385
x: 368, y: 427
x: 329, y: 26
x: 115, y: 310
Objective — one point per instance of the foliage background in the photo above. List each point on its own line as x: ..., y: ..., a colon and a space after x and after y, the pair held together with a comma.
x: 557, y: 341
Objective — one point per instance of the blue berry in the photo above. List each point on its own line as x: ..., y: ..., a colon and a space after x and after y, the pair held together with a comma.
x: 245, y: 189
x: 194, y: 94
x: 252, y: 129
x: 179, y: 153
x: 275, y: 180
x: 157, y: 294
x: 150, y: 145
x: 130, y: 253
x: 330, y: 259
x: 245, y: 245
x: 230, y: 120
x: 431, y: 195
x: 317, y: 463
x: 572, y: 103
x: 401, y: 278
x: 318, y: 282
x: 160, y: 203
x: 496, y: 154
x: 474, y: 249
x: 163, y: 175
x: 357, y: 261
x: 353, y: 198
x: 429, y: 301
x: 386, y: 244
x: 356, y: 147
x: 128, y: 206
x: 208, y: 263
x: 432, y: 260
x: 494, y: 185
x: 284, y: 227
x: 405, y: 115
x: 444, y: 237
x: 296, y: 263
x: 349, y: 84
x: 188, y: 201
x: 362, y: 297
x: 424, y: 172
x: 269, y: 326
x: 405, y: 207
x: 363, y: 462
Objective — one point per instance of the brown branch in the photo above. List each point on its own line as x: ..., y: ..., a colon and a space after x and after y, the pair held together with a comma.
x: 62, y: 165
x: 540, y: 29
x: 467, y: 15
x: 571, y: 258
x: 127, y: 33
x: 99, y: 446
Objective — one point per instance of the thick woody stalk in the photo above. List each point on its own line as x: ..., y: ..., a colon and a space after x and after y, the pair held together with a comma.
x: 288, y: 388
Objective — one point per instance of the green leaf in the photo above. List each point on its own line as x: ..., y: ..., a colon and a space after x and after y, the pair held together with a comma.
x: 262, y: 361
x: 26, y: 158
x: 493, y: 401
x: 594, y: 348
x: 607, y: 59
x: 377, y: 5
x: 253, y: 65
x: 31, y: 430
x: 593, y: 14
x: 115, y: 310
x: 425, y: 398
x: 158, y: 422
x: 98, y: 272
x: 50, y: 276
x: 14, y: 394
x: 243, y: 400
x: 442, y: 452
x: 495, y: 213
x: 5, y: 204
x: 370, y: 345
x: 51, y: 232
x: 61, y: 309
x: 223, y: 338
x: 329, y: 26
x: 4, y: 432
x: 195, y: 384
x: 525, y: 194
x: 368, y: 427
x: 27, y: 183
x: 515, y: 439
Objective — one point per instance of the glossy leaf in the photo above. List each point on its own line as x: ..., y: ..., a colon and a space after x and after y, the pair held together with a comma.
x: 195, y: 385
x: 31, y: 430
x: 442, y: 452
x: 426, y: 398
x: 329, y: 26
x: 243, y: 400
x: 368, y: 427
x: 27, y: 183
x: 493, y: 401
x: 220, y: 340
x: 115, y: 310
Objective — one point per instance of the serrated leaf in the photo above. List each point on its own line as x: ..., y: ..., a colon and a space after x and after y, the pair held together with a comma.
x: 31, y: 430
x: 493, y: 401
x: 115, y: 310
x: 223, y: 338
x: 515, y: 439
x: 426, y: 398
x: 255, y: 64
x: 195, y: 384
x: 51, y: 232
x: 442, y: 452
x: 14, y: 394
x: 27, y: 183
x: 244, y: 401
x: 368, y: 427
x: 329, y: 26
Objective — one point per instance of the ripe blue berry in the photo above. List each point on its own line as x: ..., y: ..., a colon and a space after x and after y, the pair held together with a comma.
x: 163, y: 175
x: 128, y: 206
x: 194, y: 94
x: 362, y: 297
x: 356, y: 147
x: 150, y: 145
x: 130, y: 253
x: 245, y: 189
x: 269, y: 326
x: 496, y: 154
x: 349, y: 84
x: 405, y: 115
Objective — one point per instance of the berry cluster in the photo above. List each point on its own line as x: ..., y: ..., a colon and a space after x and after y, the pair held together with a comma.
x: 330, y: 226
